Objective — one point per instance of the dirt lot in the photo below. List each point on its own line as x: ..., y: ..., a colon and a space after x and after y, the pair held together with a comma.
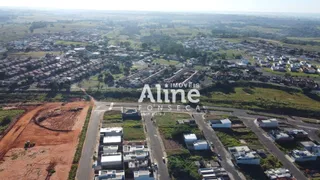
x: 54, y: 128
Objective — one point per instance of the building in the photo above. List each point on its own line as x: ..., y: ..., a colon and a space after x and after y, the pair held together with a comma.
x: 243, y: 155
x: 113, y: 131
x: 201, y: 145
x: 190, y: 122
x: 213, y: 173
x: 279, y: 173
x: 110, y: 174
x: 112, y: 140
x: 224, y: 123
x: 268, y: 123
x: 189, y: 138
x: 142, y: 175
x: 316, y: 150
x: 297, y: 133
x: 280, y: 136
x: 131, y: 114
x: 110, y: 149
x: 112, y: 160
x: 302, y: 156
x: 307, y: 145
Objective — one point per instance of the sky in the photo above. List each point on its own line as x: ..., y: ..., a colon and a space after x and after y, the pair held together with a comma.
x: 285, y: 6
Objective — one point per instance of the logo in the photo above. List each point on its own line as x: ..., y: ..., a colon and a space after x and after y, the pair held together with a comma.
x: 192, y: 95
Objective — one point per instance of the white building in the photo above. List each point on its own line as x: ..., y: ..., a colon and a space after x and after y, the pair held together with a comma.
x: 316, y: 150
x: 298, y: 133
x: 113, y: 131
x: 110, y: 174
x: 112, y: 140
x: 213, y: 173
x: 200, y: 145
x: 302, y: 156
x: 190, y: 138
x: 243, y: 155
x: 307, y: 145
x: 110, y: 149
x: 111, y: 160
x: 279, y: 173
x: 268, y: 123
x: 280, y: 136
x: 224, y: 123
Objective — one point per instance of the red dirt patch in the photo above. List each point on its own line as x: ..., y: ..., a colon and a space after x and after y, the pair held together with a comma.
x: 51, y: 146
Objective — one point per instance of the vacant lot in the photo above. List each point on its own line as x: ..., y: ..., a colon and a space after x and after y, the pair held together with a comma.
x: 6, y: 116
x: 262, y: 98
x: 54, y: 129
x: 172, y: 133
x: 132, y: 129
x: 166, y: 62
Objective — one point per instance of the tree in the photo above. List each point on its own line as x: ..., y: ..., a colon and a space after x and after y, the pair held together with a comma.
x: 5, y: 121
x: 108, y: 79
x: 100, y: 77
x: 144, y: 46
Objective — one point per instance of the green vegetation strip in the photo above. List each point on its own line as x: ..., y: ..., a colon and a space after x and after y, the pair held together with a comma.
x: 6, y: 116
x: 77, y: 155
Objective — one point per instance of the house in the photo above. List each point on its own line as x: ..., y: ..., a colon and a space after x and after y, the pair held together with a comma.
x: 280, y: 136
x: 189, y: 138
x: 112, y: 160
x: 279, y: 173
x: 297, y: 133
x: 315, y: 150
x: 110, y: 149
x: 307, y: 145
x: 201, y: 145
x: 131, y: 114
x: 112, y: 140
x: 113, y: 131
x: 243, y: 155
x: 302, y: 155
x: 110, y: 174
x: 267, y: 123
x: 213, y: 173
x: 224, y: 123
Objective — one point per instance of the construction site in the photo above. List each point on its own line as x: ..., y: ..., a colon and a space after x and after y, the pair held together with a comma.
x: 42, y: 143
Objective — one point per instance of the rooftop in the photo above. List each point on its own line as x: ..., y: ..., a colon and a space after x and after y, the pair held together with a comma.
x: 115, y: 157
x: 112, y: 139
x: 111, y: 129
x: 190, y: 136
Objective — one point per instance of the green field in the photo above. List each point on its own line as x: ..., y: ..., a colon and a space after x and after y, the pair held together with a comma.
x: 133, y: 130
x: 262, y: 98
x: 315, y: 39
x: 299, y: 74
x: 6, y: 116
x: 165, y: 62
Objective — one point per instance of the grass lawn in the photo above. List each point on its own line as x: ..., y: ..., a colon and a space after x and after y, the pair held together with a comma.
x: 71, y: 42
x: 133, y: 130
x: 299, y: 74
x: 165, y: 62
x: 36, y: 54
x: 261, y: 98
x: 6, y: 116
x: 170, y: 119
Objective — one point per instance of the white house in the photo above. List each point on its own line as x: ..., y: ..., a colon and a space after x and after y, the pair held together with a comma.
x: 190, y: 138
x: 302, y: 156
x: 110, y: 174
x: 112, y: 131
x: 110, y: 149
x: 224, y: 123
x: 243, y: 155
x: 278, y: 173
x: 307, y: 145
x: 112, y: 140
x: 316, y: 150
x: 111, y: 160
x: 200, y: 145
x: 268, y: 123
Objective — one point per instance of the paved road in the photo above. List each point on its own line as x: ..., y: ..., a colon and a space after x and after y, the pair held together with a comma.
x: 249, y: 122
x: 219, y: 148
x: 156, y: 148
x: 85, y: 171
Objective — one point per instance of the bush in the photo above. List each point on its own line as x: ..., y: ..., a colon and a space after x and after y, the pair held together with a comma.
x: 73, y: 172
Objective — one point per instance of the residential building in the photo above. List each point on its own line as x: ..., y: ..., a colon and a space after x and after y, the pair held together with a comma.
x: 112, y: 160
x: 268, y: 123
x: 297, y: 133
x: 110, y: 174
x: 224, y: 123
x: 315, y: 150
x: 280, y: 136
x: 142, y: 175
x: 302, y: 155
x: 113, y: 131
x: 201, y: 145
x: 131, y: 114
x: 110, y: 149
x: 243, y: 155
x: 307, y: 145
x: 213, y: 173
x: 279, y: 173
x: 190, y: 138
x: 112, y: 140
